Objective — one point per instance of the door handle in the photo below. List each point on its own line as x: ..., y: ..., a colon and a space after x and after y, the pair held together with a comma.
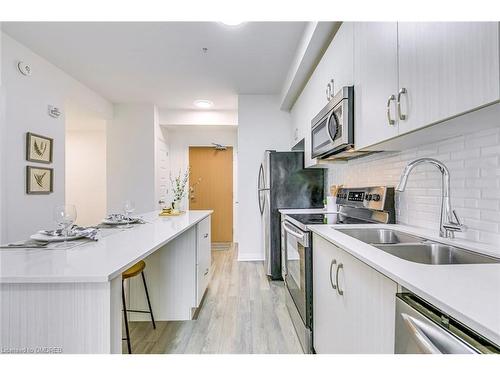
x: 389, y: 118
x: 400, y: 113
x: 339, y: 267
x: 332, y: 263
x: 205, y: 235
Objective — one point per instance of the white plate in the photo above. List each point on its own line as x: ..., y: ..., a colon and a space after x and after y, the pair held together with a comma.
x: 121, y: 222
x: 46, y: 238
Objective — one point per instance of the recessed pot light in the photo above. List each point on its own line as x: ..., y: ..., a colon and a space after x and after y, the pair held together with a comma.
x: 203, y: 103
x: 231, y: 23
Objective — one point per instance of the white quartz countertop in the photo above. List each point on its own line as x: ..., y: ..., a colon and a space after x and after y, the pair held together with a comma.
x: 98, y: 261
x: 469, y: 293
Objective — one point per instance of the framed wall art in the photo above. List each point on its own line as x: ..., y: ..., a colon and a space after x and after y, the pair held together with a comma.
x: 39, y: 180
x: 39, y: 149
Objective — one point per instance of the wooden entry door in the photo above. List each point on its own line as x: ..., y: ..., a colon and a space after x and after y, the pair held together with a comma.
x: 212, y: 188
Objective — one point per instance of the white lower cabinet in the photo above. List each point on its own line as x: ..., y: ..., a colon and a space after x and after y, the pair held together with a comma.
x: 203, y: 258
x: 354, y: 305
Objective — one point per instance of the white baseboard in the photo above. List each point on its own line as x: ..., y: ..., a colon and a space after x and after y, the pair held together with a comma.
x: 250, y: 257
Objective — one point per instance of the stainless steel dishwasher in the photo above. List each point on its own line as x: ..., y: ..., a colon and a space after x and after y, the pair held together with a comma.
x: 423, y: 329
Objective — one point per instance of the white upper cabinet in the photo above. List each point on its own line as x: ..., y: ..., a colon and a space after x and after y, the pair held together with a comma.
x: 375, y: 82
x: 447, y: 68
x: 406, y: 76
x: 337, y: 64
x: 338, y: 61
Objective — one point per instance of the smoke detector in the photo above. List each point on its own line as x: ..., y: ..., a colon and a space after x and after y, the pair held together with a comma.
x: 24, y: 68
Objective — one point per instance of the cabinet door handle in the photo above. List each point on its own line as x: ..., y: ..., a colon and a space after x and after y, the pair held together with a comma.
x: 389, y: 119
x: 205, y: 235
x: 339, y: 291
x: 401, y: 115
x: 328, y: 92
x: 334, y: 262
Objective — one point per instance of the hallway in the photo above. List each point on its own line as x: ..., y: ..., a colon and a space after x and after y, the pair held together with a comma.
x: 243, y: 313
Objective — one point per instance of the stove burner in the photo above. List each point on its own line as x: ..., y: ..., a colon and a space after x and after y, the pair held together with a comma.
x: 311, y: 219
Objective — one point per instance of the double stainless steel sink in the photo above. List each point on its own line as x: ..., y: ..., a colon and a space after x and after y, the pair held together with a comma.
x: 416, y: 249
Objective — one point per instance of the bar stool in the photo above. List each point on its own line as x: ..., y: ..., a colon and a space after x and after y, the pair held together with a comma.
x: 135, y: 270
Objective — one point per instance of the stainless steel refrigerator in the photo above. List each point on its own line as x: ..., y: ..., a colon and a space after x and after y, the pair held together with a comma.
x: 284, y: 183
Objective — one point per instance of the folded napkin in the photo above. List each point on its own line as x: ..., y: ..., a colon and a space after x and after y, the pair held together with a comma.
x: 76, y: 231
x: 122, y: 218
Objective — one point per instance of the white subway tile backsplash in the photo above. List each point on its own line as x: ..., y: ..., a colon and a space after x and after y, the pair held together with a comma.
x: 483, y: 182
x: 490, y: 216
x: 474, y: 164
x: 487, y: 237
x: 484, y: 162
x: 466, y: 154
x: 468, y: 212
x: 471, y: 203
x: 490, y: 172
x: 491, y: 150
x: 488, y: 204
x: 492, y: 193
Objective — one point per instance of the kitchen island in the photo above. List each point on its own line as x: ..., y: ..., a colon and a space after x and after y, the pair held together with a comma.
x: 69, y: 301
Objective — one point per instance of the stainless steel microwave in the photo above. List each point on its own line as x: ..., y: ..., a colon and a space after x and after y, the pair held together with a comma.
x: 332, y: 130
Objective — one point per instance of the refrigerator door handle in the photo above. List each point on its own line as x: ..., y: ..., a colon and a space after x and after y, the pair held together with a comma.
x: 261, y: 206
x: 260, y: 188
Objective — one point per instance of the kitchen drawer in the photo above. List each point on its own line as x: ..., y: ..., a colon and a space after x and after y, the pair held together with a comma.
x: 203, y: 258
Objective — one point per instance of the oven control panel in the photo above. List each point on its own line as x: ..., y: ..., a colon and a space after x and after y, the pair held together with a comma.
x: 356, y: 196
x: 373, y: 198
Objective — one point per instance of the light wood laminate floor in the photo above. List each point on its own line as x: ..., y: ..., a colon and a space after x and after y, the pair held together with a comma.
x: 243, y: 312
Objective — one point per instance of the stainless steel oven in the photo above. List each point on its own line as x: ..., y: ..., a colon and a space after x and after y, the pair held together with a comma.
x: 332, y: 130
x: 296, y: 263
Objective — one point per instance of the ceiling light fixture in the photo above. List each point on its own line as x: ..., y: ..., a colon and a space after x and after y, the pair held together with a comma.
x: 203, y: 103
x: 232, y: 23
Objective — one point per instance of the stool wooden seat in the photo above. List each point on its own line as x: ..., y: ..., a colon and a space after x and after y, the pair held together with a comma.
x: 135, y: 270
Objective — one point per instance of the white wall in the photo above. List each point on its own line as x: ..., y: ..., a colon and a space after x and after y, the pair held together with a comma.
x: 86, y: 173
x: 26, y: 102
x: 262, y: 126
x: 161, y: 162
x: 183, y: 136
x: 2, y: 137
x: 197, y: 117
x: 131, y: 156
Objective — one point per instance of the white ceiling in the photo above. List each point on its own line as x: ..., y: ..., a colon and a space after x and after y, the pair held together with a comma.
x: 163, y: 62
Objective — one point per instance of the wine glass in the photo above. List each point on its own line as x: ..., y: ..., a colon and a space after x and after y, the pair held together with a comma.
x: 65, y: 216
x: 129, y: 208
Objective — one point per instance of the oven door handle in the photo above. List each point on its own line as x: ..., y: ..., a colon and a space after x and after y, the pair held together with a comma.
x: 292, y: 232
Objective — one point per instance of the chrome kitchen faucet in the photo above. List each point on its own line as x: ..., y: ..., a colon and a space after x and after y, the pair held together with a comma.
x: 449, y: 221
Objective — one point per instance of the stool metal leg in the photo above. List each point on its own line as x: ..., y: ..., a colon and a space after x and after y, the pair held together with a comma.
x: 149, y: 302
x: 126, y: 318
